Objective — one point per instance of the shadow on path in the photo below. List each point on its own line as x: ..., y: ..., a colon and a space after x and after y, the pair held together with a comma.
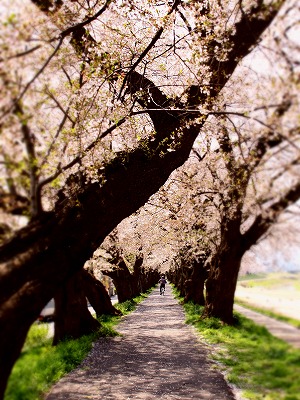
x: 157, y: 356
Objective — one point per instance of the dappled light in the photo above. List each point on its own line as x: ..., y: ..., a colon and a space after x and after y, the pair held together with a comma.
x: 157, y: 356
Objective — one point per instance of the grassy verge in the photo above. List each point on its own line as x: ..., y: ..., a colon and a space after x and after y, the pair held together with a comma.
x: 40, y: 364
x: 261, y: 310
x: 249, y: 277
x: 259, y: 364
x: 273, y: 280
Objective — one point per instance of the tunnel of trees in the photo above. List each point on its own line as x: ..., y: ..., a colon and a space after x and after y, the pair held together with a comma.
x: 110, y: 114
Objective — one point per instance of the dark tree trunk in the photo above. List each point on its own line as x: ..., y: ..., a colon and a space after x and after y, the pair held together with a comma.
x: 138, y: 275
x: 124, y: 282
x: 220, y: 287
x: 183, y: 275
x: 32, y: 261
x: 186, y: 280
x: 195, y: 285
x: 72, y: 318
x: 149, y: 279
x: 223, y: 273
x: 12, y: 342
x: 97, y: 295
x: 130, y: 285
x: 173, y: 276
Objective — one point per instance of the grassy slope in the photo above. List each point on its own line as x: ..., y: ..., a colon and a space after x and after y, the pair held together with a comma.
x: 271, y: 282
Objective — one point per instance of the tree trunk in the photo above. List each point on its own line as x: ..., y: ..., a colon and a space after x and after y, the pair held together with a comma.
x: 220, y: 288
x: 138, y: 275
x: 124, y: 282
x: 149, y: 279
x: 195, y: 285
x: 12, y: 341
x: 223, y: 272
x: 72, y: 318
x: 97, y: 295
x: 183, y: 275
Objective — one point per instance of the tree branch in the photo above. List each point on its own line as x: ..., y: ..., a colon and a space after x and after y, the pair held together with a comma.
x: 153, y: 41
x: 22, y: 54
x: 245, y: 36
x: 28, y: 84
x: 48, y: 5
x: 79, y: 26
x: 268, y: 217
x: 35, y: 200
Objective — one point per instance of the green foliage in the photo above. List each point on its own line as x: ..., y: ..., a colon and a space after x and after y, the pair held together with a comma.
x: 262, y: 366
x: 11, y: 20
x: 108, y: 322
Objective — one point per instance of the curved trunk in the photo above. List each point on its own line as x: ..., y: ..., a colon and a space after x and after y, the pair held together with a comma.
x: 138, y: 274
x: 97, y: 295
x: 32, y: 261
x: 124, y: 282
x: 72, y: 318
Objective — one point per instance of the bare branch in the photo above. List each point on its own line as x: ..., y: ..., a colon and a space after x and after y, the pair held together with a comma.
x: 22, y: 54
x: 27, y: 86
x: 65, y: 112
x: 59, y: 129
x: 269, y: 216
x: 200, y: 158
x: 35, y: 200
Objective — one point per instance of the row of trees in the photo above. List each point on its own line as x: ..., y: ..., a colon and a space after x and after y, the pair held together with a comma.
x: 72, y: 317
x: 101, y: 103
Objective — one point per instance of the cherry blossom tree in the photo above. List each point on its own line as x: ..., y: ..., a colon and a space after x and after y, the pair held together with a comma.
x: 106, y: 101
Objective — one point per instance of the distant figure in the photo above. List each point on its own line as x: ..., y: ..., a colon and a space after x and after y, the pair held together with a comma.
x: 162, y: 283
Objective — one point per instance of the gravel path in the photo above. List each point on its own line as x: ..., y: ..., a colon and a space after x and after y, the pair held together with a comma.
x: 157, y: 357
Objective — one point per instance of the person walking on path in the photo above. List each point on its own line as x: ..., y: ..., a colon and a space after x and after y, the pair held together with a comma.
x: 162, y: 284
x: 158, y: 356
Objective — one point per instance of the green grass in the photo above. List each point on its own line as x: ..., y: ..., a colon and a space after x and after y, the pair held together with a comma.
x: 128, y: 306
x: 292, y: 321
x: 272, y: 280
x: 40, y: 364
x: 259, y: 364
x: 249, y: 277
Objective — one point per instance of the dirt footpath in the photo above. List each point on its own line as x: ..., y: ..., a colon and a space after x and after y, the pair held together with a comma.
x: 157, y: 357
